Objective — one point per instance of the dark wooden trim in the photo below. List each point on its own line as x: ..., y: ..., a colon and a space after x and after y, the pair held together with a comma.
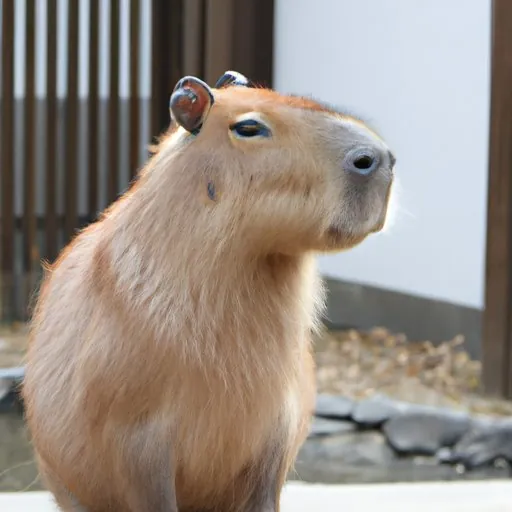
x: 253, y: 40
x: 167, y: 59
x: 219, y: 42
x: 30, y: 248
x: 113, y: 102
x: 240, y: 36
x: 134, y: 89
x: 7, y: 159
x: 193, y: 37
x: 51, y: 134
x: 93, y: 106
x: 497, y: 335
x: 71, y: 169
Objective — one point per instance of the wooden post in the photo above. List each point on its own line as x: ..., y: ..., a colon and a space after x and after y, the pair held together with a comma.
x: 497, y: 325
x: 7, y: 161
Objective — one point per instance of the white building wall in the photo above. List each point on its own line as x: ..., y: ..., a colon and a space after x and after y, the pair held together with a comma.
x: 419, y: 71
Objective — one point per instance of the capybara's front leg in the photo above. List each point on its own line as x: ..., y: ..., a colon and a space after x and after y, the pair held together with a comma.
x: 258, y: 489
x: 133, y: 472
x: 148, y: 483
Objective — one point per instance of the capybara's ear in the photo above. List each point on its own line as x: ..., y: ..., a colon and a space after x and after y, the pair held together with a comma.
x: 233, y: 78
x: 190, y: 103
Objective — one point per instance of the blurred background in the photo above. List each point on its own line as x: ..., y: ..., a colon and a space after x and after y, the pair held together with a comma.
x: 419, y: 313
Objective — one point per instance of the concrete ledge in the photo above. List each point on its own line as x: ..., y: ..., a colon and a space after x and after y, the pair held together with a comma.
x: 365, y: 307
x: 299, y: 497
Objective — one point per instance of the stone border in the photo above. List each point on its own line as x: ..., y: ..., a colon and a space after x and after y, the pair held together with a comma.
x: 399, y: 438
x: 10, y: 380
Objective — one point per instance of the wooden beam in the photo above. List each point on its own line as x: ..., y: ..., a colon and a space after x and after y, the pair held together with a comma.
x: 7, y: 161
x: 497, y: 334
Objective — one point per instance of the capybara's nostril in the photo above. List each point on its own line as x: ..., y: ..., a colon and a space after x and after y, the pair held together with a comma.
x: 392, y: 159
x: 362, y: 161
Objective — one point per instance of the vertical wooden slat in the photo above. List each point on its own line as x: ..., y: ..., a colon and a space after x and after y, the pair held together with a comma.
x: 92, y: 103
x: 239, y: 36
x: 219, y: 38
x: 253, y: 31
x: 193, y: 37
x: 113, y: 111
x: 51, y: 130
x: 167, y: 58
x: 497, y: 335
x: 134, y: 89
x: 7, y: 160
x: 30, y: 250
x: 71, y: 168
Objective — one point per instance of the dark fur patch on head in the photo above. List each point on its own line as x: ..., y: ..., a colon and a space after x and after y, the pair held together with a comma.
x: 211, y: 190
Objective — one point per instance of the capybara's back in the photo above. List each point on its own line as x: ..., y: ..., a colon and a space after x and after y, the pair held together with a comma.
x: 169, y: 366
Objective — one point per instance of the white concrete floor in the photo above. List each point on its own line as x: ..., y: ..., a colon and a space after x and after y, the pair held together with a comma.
x: 489, y: 496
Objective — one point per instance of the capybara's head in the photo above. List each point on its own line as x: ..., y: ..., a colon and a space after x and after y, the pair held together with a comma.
x: 282, y: 173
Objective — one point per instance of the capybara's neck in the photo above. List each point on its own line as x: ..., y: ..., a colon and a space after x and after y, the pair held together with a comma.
x: 188, y: 277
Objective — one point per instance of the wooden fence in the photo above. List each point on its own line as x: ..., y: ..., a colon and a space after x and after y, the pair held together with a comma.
x: 85, y: 85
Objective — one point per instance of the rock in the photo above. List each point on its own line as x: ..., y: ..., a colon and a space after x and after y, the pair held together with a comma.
x: 425, y: 433
x: 374, y: 411
x: 484, y: 443
x: 445, y: 455
x: 10, y: 398
x: 361, y: 449
x: 328, y: 427
x: 366, y: 457
x: 16, y: 373
x: 333, y: 406
x: 345, y: 457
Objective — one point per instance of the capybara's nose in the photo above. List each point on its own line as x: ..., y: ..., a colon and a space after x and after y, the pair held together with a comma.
x: 362, y: 161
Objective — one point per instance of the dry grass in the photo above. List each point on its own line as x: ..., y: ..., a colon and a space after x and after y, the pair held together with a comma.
x: 360, y: 364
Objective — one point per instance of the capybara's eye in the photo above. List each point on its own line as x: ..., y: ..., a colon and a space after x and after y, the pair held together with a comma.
x: 250, y: 128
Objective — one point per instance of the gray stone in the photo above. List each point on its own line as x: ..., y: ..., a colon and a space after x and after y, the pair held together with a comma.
x: 327, y: 427
x: 5, y: 387
x: 376, y: 410
x: 445, y: 455
x: 333, y: 406
x: 320, y: 459
x: 366, y: 457
x: 16, y: 373
x: 425, y: 432
x: 483, y: 444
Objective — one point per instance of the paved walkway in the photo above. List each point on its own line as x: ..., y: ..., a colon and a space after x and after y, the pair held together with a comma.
x: 489, y: 496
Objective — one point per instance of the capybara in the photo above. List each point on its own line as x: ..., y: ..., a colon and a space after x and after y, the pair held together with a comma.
x: 169, y: 365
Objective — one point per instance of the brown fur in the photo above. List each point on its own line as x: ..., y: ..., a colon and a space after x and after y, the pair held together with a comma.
x: 169, y: 366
